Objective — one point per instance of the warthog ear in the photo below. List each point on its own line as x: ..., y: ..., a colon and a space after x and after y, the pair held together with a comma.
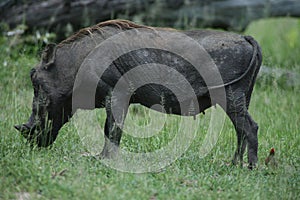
x: 48, y: 56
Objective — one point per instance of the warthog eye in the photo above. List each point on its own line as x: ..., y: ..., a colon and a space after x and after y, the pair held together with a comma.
x: 32, y: 72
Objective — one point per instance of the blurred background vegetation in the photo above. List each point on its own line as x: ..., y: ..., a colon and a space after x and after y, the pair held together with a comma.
x: 26, y: 26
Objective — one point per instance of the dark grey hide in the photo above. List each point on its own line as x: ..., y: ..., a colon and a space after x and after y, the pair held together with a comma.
x: 237, y: 57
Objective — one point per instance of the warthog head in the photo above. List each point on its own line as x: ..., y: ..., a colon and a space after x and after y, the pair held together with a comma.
x: 47, y: 117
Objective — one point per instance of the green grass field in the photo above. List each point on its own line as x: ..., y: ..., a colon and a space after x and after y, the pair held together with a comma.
x: 64, y: 172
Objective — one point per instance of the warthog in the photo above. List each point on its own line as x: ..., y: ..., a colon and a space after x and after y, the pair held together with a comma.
x: 57, y: 80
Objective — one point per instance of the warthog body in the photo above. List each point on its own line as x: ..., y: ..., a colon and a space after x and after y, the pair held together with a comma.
x: 237, y: 58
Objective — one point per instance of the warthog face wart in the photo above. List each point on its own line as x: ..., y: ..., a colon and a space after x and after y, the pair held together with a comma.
x: 236, y: 59
x: 38, y: 124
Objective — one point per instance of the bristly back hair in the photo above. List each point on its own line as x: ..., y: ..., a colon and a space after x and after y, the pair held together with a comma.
x: 119, y: 23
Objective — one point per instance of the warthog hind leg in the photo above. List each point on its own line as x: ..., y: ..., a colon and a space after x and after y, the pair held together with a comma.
x: 246, y: 129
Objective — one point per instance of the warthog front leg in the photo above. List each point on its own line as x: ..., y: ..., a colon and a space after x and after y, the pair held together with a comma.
x: 115, y: 116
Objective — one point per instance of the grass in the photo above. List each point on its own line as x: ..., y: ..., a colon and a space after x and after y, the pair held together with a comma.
x: 63, y: 172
